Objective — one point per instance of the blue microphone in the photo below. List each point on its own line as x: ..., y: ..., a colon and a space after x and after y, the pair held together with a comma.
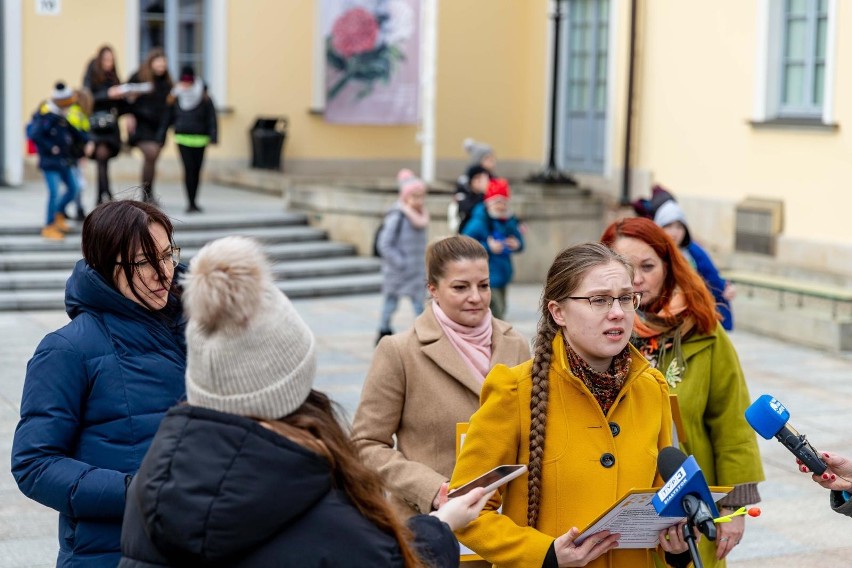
x: 685, y: 493
x: 768, y: 417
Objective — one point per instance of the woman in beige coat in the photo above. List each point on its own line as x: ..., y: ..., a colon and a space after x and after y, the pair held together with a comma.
x: 425, y: 380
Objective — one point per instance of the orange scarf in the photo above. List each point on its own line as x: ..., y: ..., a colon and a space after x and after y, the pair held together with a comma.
x: 667, y: 319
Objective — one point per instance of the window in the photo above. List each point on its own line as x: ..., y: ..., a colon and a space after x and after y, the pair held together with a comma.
x: 178, y: 26
x: 794, y: 76
x: 802, y: 71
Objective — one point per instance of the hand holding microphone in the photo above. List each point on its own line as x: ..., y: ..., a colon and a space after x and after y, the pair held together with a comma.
x: 768, y: 417
x: 838, y: 476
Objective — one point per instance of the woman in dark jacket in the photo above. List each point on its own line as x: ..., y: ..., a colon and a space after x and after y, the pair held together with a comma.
x: 96, y: 389
x: 193, y: 116
x: 257, y: 471
x: 109, y: 103
x: 149, y: 111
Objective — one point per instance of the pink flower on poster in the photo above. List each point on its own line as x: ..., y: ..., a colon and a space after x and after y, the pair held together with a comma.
x: 354, y: 32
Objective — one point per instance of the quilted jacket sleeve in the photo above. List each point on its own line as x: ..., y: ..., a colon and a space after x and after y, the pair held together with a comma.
x: 52, y: 405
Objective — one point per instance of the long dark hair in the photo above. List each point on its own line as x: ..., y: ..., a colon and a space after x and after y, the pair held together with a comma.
x: 564, y: 277
x: 117, y: 230
x: 317, y: 426
x: 99, y: 74
x: 146, y: 72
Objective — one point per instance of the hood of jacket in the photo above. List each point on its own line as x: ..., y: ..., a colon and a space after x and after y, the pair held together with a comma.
x: 87, y: 291
x: 213, y: 485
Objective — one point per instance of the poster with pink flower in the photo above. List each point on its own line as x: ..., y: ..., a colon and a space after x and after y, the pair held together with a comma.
x: 372, y: 56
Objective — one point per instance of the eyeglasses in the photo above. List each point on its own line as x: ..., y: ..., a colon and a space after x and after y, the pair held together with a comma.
x: 170, y: 258
x: 601, y: 304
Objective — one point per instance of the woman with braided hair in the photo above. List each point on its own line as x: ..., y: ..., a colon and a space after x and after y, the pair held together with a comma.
x: 587, y: 414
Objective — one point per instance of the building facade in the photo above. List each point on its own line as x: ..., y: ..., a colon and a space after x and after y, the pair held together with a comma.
x: 730, y: 100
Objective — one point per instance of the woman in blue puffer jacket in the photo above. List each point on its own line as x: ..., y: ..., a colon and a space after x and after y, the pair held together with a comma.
x: 97, y: 388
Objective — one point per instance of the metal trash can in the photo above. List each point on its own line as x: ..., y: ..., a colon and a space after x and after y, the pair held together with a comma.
x: 267, y: 142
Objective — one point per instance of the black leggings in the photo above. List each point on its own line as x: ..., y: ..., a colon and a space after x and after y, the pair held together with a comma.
x: 103, y: 154
x: 192, y: 159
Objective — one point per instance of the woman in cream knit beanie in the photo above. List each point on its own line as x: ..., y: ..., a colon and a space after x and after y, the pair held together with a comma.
x: 257, y: 470
x: 248, y: 351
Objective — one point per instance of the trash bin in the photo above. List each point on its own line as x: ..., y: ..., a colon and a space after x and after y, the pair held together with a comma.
x: 267, y: 142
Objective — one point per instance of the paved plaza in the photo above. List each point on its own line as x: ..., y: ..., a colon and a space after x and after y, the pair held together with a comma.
x: 797, y: 528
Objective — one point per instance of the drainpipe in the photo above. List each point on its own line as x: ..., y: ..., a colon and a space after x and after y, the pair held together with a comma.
x: 628, y: 131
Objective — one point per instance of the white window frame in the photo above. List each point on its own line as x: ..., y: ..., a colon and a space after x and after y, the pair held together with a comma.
x: 215, y: 45
x: 768, y: 68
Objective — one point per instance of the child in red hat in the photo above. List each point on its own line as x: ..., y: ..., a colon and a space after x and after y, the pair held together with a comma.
x: 494, y: 225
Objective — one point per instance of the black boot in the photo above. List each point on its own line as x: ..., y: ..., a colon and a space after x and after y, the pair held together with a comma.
x: 382, y: 333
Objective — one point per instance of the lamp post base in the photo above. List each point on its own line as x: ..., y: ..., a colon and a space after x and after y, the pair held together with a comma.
x: 552, y: 176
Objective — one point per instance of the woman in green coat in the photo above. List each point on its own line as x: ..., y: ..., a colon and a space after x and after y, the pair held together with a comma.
x: 678, y: 331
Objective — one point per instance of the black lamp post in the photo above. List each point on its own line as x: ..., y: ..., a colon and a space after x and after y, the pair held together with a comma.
x: 551, y: 174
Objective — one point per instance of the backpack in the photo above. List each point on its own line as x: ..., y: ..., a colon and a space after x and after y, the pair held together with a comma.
x: 376, y: 236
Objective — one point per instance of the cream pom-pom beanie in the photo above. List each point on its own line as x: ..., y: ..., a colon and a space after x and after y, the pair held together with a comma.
x: 248, y: 351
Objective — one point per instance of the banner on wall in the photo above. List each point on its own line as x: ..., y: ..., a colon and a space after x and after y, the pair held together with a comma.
x: 372, y: 56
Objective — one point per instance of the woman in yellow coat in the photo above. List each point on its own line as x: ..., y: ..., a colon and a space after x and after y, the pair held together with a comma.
x: 587, y: 414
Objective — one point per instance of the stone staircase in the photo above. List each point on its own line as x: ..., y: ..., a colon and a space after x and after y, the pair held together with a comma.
x: 305, y: 263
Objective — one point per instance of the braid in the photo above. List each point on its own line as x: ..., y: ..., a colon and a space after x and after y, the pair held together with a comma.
x: 538, y: 413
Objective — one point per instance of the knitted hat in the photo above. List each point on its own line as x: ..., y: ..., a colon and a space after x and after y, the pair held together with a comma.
x: 670, y: 212
x: 187, y: 74
x: 476, y: 150
x: 62, y: 95
x: 476, y: 170
x: 498, y: 187
x: 248, y: 351
x: 409, y: 183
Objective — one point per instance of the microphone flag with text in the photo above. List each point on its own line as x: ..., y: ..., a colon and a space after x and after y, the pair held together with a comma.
x: 768, y: 417
x: 685, y: 493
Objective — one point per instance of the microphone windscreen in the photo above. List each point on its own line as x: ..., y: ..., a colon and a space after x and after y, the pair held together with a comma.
x: 767, y: 416
x: 669, y: 460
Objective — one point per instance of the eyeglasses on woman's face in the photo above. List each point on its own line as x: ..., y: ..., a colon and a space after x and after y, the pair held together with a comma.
x: 169, y: 259
x: 602, y: 304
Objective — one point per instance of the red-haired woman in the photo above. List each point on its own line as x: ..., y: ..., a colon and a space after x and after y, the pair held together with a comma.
x: 678, y: 331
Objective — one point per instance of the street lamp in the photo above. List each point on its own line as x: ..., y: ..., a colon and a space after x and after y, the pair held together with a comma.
x: 551, y: 174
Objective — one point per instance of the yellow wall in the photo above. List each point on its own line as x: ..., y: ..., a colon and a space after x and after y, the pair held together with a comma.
x: 492, y: 70
x: 696, y: 98
x: 491, y: 73
x: 60, y: 47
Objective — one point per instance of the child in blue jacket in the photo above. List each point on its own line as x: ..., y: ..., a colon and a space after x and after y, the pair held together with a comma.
x: 493, y: 224
x: 671, y: 218
x: 55, y: 140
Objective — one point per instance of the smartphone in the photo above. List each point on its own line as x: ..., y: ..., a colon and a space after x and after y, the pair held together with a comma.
x: 491, y: 480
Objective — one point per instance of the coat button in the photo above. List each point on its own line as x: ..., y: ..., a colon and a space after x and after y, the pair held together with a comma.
x: 607, y: 460
x: 615, y: 429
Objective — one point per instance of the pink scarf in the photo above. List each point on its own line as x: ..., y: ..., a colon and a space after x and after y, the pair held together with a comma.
x: 473, y: 344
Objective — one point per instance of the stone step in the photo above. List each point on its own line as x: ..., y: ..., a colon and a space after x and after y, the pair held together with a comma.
x: 65, y: 260
x: 303, y: 288
x: 191, y: 222
x: 185, y: 238
x: 285, y: 271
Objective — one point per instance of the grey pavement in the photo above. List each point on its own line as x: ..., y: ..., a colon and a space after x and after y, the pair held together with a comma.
x: 797, y: 528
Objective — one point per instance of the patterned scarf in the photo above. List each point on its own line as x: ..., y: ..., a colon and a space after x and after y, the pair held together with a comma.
x: 654, y: 335
x: 604, y: 386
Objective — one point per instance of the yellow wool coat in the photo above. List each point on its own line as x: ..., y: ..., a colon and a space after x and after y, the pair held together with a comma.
x: 576, y: 484
x: 417, y: 389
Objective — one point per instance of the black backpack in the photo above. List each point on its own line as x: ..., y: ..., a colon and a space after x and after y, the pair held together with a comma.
x: 376, y: 252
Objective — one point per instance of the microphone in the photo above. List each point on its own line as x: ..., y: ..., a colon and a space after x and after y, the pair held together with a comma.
x: 686, y: 493
x: 768, y: 417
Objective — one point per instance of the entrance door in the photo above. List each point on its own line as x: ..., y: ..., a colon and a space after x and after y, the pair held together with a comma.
x: 584, y: 86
